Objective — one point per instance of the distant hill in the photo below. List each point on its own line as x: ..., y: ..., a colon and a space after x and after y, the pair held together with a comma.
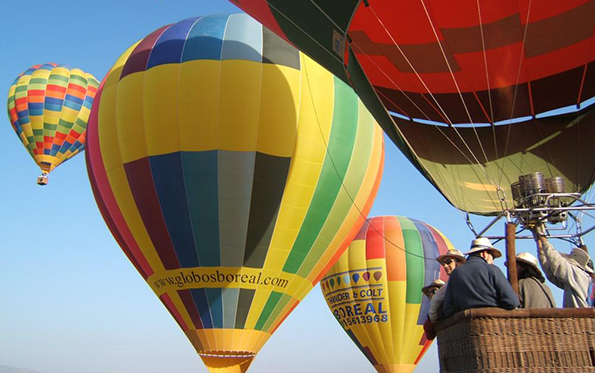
x: 7, y: 369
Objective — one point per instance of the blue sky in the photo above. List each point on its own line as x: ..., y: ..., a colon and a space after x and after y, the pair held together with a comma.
x: 71, y: 301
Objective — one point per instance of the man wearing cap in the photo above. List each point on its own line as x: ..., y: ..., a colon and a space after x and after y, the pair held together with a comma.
x: 478, y: 283
x: 571, y: 272
x: 449, y: 261
x: 533, y: 292
x: 431, y: 290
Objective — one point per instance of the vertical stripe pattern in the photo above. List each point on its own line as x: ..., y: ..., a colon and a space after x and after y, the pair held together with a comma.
x: 233, y: 170
x: 374, y: 289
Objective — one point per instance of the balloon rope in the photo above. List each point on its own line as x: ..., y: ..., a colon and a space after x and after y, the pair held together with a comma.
x: 323, y: 48
x: 484, y: 171
x: 430, y: 21
x: 343, y: 186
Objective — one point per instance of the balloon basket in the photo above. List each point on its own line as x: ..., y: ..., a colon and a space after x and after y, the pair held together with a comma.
x: 529, y: 340
x: 42, y: 179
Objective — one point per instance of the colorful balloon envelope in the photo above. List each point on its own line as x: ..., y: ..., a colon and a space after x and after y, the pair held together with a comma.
x: 232, y: 170
x: 374, y: 289
x: 49, y: 106
x: 475, y: 93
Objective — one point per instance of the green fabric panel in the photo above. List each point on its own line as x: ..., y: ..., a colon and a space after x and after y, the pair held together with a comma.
x: 414, y: 258
x: 277, y: 311
x: 352, y: 183
x: 79, y: 79
x: 268, y: 309
x: 244, y: 302
x: 554, y: 146
x: 369, y: 97
x: 33, y: 81
x: 342, y: 138
x: 54, y: 77
x: 315, y: 34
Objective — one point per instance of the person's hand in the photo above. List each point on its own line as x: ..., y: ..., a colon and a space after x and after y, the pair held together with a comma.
x: 538, y: 230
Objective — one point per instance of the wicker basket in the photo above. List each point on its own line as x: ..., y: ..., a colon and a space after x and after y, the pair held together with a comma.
x: 532, y: 340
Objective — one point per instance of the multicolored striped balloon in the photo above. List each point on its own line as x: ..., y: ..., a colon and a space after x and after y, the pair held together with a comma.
x: 49, y: 106
x: 374, y: 289
x: 233, y: 171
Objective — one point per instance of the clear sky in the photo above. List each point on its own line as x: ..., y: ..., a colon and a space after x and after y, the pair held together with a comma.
x: 71, y: 302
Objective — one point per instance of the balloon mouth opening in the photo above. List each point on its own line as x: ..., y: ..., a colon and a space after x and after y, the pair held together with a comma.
x: 227, y: 354
x: 227, y: 361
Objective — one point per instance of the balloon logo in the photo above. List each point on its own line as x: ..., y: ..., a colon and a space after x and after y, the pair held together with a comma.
x: 49, y: 106
x: 355, y: 277
x: 231, y: 170
x: 346, y: 279
x: 332, y: 282
x: 385, y: 318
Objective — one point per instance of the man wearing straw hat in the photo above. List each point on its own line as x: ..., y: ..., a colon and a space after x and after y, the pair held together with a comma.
x: 571, y: 272
x: 533, y: 292
x: 478, y: 283
x: 449, y: 261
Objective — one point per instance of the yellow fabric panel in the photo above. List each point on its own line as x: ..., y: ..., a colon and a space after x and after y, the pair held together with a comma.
x: 37, y: 120
x: 160, y: 109
x: 239, y: 102
x: 398, y: 295
x: 198, y: 112
x: 412, y: 334
x: 109, y: 138
x: 224, y: 277
x: 356, y: 259
x: 300, y: 185
x: 278, y: 110
x: 129, y: 117
x: 359, y: 202
x: 395, y: 368
x: 194, y: 339
x: 382, y: 353
x: 237, y: 339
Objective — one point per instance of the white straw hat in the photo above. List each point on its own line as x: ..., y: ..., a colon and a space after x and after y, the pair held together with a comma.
x: 438, y: 283
x: 483, y: 244
x: 454, y: 253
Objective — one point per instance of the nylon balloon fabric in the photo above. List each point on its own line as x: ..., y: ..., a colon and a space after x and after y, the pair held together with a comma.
x: 48, y: 107
x: 374, y: 289
x: 475, y: 93
x: 233, y: 171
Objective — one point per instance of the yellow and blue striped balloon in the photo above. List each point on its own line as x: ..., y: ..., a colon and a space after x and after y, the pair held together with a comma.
x: 233, y: 171
x: 48, y: 107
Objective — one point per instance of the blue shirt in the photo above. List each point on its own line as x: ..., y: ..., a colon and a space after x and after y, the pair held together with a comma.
x: 477, y: 284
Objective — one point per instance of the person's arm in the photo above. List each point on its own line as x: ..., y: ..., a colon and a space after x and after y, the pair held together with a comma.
x: 556, y: 268
x: 436, y: 303
x: 448, y: 306
x: 507, y: 298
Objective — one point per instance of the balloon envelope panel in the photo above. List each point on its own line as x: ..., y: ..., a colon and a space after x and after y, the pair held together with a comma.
x: 232, y: 170
x: 49, y: 106
x: 374, y: 289
x: 473, y: 92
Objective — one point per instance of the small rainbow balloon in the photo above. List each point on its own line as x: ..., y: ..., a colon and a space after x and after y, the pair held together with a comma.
x: 48, y: 107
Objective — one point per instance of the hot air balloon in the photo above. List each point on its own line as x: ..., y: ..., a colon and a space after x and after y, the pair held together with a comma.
x: 49, y: 106
x: 374, y: 289
x: 232, y: 170
x: 475, y: 93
